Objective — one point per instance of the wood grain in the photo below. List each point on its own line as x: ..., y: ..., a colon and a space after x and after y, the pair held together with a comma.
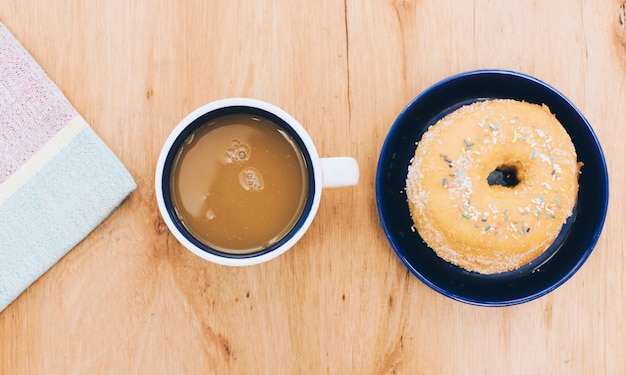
x: 129, y: 299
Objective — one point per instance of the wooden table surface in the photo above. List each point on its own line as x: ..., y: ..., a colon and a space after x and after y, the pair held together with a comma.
x: 130, y: 300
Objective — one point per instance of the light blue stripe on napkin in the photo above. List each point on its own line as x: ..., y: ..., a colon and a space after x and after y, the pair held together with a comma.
x: 56, y: 208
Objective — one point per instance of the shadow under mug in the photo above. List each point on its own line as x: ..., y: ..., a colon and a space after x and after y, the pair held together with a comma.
x: 320, y: 173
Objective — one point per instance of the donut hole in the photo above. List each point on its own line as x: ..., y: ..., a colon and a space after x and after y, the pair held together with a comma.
x: 507, y: 175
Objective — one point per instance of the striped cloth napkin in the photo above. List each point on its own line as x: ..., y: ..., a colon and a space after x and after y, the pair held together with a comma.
x: 58, y: 180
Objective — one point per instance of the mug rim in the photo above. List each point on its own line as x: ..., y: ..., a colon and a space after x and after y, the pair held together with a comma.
x: 309, y: 211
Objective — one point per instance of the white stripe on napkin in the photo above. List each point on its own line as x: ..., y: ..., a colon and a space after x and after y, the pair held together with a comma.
x: 55, y: 145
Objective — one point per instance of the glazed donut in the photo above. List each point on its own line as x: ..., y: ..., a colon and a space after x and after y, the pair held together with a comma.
x: 492, y: 183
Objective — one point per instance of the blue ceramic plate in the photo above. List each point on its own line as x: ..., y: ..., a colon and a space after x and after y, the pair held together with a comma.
x: 570, y: 249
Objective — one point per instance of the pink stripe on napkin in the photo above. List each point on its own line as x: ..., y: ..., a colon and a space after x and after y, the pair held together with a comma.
x: 35, y: 109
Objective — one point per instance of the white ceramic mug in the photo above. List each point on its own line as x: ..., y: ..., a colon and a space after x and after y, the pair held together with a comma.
x: 322, y: 173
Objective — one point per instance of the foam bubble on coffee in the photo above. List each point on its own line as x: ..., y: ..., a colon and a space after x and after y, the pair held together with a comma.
x: 239, y: 152
x: 251, y: 179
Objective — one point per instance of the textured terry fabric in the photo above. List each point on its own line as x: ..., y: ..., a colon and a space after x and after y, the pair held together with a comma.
x: 58, y: 180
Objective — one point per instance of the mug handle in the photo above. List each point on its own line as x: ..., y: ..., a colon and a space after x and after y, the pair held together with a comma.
x: 339, y: 171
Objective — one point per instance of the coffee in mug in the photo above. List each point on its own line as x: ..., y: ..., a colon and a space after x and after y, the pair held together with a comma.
x: 239, y: 183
